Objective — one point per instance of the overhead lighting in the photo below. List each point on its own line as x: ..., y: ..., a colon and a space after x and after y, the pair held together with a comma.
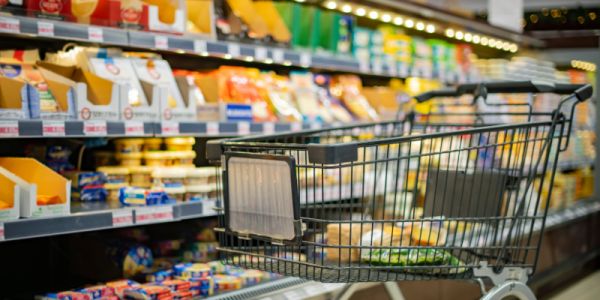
x: 468, y: 37
x: 386, y: 18
x: 347, y: 8
x: 506, y: 46
x: 583, y: 65
x: 361, y: 12
x: 409, y: 23
x: 420, y: 26
x: 287, y: 63
x: 492, y: 43
x: 227, y: 56
x: 499, y: 45
x: 249, y: 59
x: 300, y: 1
x: 513, y: 48
x: 268, y: 61
x: 476, y: 39
x: 204, y: 53
x: 430, y: 28
x: 331, y: 4
x: 450, y: 32
x: 484, y: 41
x: 398, y: 21
x: 373, y: 15
x: 459, y: 35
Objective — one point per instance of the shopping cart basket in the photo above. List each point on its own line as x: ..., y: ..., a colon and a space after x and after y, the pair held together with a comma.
x: 414, y: 199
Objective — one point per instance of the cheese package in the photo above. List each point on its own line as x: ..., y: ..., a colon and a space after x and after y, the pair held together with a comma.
x: 200, y: 17
x: 278, y: 91
x: 348, y: 87
x: 306, y: 97
x: 119, y: 69
x: 275, y: 24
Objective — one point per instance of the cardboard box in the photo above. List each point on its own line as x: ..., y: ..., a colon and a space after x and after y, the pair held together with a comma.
x: 200, y: 17
x: 158, y: 73
x: 40, y: 180
x: 14, y: 103
x: 96, y: 98
x: 10, y: 195
x: 138, y: 100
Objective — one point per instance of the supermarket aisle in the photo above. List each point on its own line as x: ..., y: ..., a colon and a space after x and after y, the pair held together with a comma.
x: 586, y: 289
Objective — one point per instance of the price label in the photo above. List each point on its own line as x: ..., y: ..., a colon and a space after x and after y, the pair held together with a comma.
x: 364, y: 66
x: 9, y: 25
x: 377, y: 130
x: 212, y: 128
x: 268, y: 128
x: 260, y: 53
x: 377, y: 67
x: 305, y: 59
x: 233, y: 49
x: 170, y: 128
x: 53, y: 128
x: 45, y: 28
x: 134, y: 128
x: 296, y: 126
x: 95, y: 34
x: 208, y: 207
x: 243, y: 128
x: 315, y: 126
x: 153, y: 214
x: 94, y: 128
x: 392, y: 70
x: 200, y: 46
x: 1, y: 231
x: 122, y: 217
x: 278, y: 55
x: 161, y: 42
x: 9, y: 128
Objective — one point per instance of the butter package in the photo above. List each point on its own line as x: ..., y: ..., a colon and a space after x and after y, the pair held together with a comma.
x: 132, y: 196
x: 88, y: 186
x: 100, y: 292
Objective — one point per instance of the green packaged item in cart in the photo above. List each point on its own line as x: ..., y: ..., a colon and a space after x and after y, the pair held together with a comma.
x: 411, y: 257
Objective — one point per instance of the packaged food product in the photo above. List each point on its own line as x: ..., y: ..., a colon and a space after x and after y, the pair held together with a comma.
x: 183, y: 158
x: 152, y: 144
x: 139, y: 196
x: 176, y: 193
x: 180, y: 143
x: 204, y: 286
x: 119, y: 286
x: 148, y: 292
x: 345, y: 234
x: 200, y: 192
x: 176, y: 285
x: 200, y: 176
x: 157, y: 158
x: 412, y: 257
x: 87, y: 186
x: 200, y: 252
x: 182, y: 295
x: 129, y: 159
x: 168, y: 177
x: 227, y: 282
x: 141, y: 176
x: 116, y: 178
x: 70, y: 296
x: 430, y: 233
x: 129, y: 145
x: 154, y: 276
x: 196, y: 271
x: 99, y: 292
x: 251, y: 277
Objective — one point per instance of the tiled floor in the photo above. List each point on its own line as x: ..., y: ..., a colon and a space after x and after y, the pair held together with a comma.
x: 587, y: 288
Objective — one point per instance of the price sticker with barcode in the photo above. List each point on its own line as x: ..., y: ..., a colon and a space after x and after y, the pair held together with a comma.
x: 134, y: 128
x: 278, y: 55
x: 153, y: 214
x: 268, y: 127
x: 233, y: 49
x: 170, y: 128
x: 296, y: 126
x: 9, y: 128
x: 53, y: 128
x: 94, y: 128
x: 212, y: 128
x: 200, y: 46
x: 45, y: 28
x: 10, y: 25
x: 260, y: 53
x: 95, y: 34
x: 305, y: 59
x: 122, y: 217
x: 161, y: 42
x: 243, y: 128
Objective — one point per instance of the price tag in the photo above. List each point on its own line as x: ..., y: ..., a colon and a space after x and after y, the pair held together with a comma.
x: 305, y: 59
x: 9, y: 25
x: 233, y: 49
x: 122, y: 217
x: 9, y: 128
x: 260, y: 53
x: 53, y: 128
x: 315, y: 126
x: 94, y: 128
x: 377, y: 130
x: 45, y: 28
x: 95, y: 34
x: 243, y: 128
x: 1, y: 231
x: 200, y: 46
x: 212, y: 128
x: 153, y: 214
x: 278, y: 55
x: 161, y: 42
x: 208, y: 207
x: 169, y: 128
x: 134, y: 128
x: 364, y: 66
x: 392, y: 70
x: 377, y: 67
x: 296, y: 126
x: 268, y: 128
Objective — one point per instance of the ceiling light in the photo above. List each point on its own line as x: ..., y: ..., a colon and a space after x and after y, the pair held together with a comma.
x: 373, y: 14
x: 513, y: 48
x: 331, y: 4
x: 361, y: 12
x: 386, y: 18
x: 420, y: 26
x: 492, y: 43
x: 347, y: 8
x: 430, y: 28
x: 468, y: 37
x: 409, y: 23
x: 459, y: 35
x: 476, y: 39
x: 398, y: 21
x: 450, y: 32
x: 506, y: 46
x: 484, y: 41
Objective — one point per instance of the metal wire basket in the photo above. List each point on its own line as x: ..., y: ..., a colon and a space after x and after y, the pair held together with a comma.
x: 435, y: 195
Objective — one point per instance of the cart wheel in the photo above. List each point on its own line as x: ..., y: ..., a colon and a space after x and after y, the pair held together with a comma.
x: 510, y: 289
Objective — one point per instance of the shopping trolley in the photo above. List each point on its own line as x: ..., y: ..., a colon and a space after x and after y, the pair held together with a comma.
x: 441, y: 194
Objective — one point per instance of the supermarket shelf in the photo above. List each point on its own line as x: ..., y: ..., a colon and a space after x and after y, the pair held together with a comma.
x: 98, y: 216
x: 282, y: 289
x: 51, y: 128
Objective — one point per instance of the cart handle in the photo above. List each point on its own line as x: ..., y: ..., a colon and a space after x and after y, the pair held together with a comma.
x: 582, y: 92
